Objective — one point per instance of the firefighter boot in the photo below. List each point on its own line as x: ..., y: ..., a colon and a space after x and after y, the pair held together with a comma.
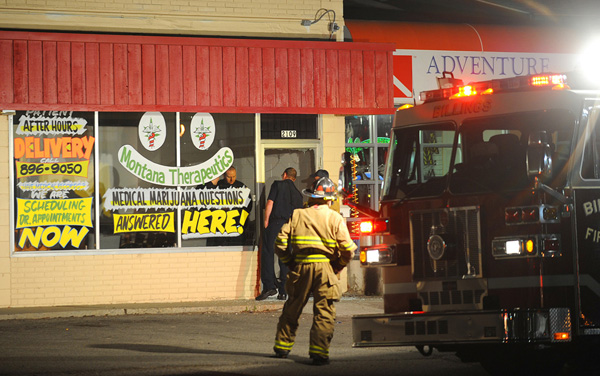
x: 279, y: 353
x: 319, y: 360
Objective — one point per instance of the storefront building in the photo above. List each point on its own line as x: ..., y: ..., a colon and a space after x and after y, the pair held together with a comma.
x: 113, y: 129
x: 116, y: 115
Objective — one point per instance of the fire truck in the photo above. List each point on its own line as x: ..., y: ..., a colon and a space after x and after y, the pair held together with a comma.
x: 488, y: 230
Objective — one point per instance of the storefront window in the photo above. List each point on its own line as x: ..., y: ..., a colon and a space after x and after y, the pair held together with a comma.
x: 219, y: 220
x: 367, y: 138
x: 136, y: 212
x: 366, y: 194
x: 384, y: 128
x: 54, y: 180
x: 154, y: 178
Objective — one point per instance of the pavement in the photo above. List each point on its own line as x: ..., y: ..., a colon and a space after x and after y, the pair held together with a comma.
x: 349, y: 305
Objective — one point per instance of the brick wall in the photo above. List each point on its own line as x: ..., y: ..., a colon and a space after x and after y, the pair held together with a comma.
x: 5, y: 261
x: 132, y: 278
x: 152, y: 277
x: 265, y: 18
x: 334, y: 134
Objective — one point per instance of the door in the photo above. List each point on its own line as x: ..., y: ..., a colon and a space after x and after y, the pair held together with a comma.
x: 276, y: 159
x: 279, y: 157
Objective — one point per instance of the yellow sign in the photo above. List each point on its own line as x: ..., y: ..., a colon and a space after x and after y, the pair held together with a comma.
x: 50, y: 236
x: 214, y: 222
x: 73, y: 212
x: 163, y: 222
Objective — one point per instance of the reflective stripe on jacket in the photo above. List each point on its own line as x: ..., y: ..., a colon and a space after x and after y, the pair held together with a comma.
x: 315, y: 231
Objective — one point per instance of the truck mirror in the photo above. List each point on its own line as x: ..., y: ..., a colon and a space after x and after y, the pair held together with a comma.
x: 539, y: 155
x: 345, y: 179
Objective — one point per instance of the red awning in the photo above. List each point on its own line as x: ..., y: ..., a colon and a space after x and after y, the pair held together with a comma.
x: 87, y: 72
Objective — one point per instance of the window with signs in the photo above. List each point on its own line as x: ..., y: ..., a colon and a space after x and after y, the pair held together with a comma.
x: 367, y: 138
x: 224, y: 215
x: 54, y: 180
x: 133, y: 180
x: 132, y: 197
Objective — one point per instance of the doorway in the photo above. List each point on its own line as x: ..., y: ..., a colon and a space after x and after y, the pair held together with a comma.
x: 278, y: 159
x: 303, y: 156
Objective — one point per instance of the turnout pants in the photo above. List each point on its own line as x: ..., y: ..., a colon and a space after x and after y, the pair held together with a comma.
x: 267, y: 261
x: 318, y: 278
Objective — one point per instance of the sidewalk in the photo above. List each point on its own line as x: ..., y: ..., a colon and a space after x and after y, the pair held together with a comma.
x: 348, y: 306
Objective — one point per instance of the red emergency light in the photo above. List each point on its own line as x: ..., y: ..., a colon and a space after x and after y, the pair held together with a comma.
x: 541, y: 81
x: 552, y: 80
x: 372, y: 226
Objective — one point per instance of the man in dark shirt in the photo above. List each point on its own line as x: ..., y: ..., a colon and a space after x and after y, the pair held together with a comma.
x: 283, y: 198
x: 230, y: 179
x: 213, y: 184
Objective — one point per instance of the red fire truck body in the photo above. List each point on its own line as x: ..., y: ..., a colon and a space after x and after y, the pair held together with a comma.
x: 488, y: 232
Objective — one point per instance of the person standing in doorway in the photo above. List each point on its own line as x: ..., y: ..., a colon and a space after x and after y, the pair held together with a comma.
x: 283, y: 198
x: 315, y: 244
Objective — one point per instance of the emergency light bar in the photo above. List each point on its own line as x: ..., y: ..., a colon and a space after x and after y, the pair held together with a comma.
x: 543, y: 81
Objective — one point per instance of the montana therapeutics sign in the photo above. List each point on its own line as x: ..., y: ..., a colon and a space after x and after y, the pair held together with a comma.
x: 155, y: 173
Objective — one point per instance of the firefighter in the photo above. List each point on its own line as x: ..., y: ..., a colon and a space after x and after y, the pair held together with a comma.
x: 320, y: 247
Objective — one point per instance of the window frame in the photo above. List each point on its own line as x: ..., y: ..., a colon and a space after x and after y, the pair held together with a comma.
x: 374, y: 184
x: 97, y: 202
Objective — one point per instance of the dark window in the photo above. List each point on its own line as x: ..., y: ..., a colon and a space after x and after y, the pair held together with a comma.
x: 284, y: 126
x: 494, y: 151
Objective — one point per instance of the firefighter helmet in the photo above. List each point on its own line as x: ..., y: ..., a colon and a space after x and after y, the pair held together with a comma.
x: 322, y: 188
